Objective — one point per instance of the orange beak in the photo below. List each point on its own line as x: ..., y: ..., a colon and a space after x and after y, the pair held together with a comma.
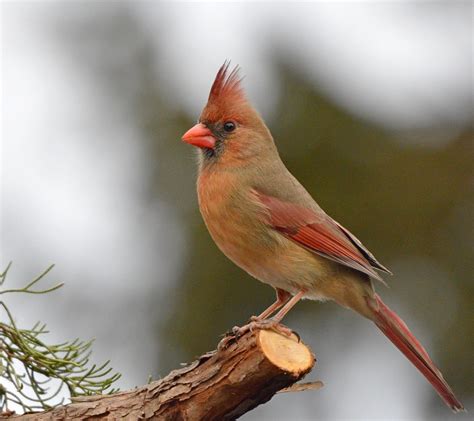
x: 200, y: 136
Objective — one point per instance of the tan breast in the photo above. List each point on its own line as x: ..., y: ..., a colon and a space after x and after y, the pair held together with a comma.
x: 234, y: 220
x: 230, y: 216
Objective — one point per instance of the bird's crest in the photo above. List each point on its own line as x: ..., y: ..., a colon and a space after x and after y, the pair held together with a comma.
x: 227, y: 85
x: 227, y: 98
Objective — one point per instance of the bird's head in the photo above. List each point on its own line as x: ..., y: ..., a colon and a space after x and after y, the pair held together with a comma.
x: 229, y: 130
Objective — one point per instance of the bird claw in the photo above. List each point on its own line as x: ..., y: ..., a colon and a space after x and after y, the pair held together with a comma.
x: 276, y: 327
x: 267, y: 324
x: 254, y: 323
x: 237, y: 331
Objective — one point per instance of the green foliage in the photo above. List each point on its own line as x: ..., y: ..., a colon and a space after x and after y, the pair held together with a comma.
x: 33, y: 373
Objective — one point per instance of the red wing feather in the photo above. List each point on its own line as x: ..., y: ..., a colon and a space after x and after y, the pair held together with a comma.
x: 320, y: 234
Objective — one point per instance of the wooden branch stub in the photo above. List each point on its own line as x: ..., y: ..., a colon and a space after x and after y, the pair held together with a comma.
x: 288, y: 354
x: 220, y: 385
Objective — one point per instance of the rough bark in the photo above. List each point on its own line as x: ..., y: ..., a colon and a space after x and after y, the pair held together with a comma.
x: 220, y: 385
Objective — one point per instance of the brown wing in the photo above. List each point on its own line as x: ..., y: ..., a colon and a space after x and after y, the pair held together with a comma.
x: 320, y: 234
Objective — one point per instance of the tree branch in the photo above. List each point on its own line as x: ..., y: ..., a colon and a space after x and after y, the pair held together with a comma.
x: 220, y: 385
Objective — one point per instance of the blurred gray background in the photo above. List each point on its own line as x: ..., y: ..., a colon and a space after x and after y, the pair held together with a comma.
x: 371, y: 107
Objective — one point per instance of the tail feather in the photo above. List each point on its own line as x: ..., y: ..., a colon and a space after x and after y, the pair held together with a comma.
x: 397, y: 331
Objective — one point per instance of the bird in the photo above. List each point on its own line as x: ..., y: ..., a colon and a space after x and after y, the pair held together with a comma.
x: 267, y: 223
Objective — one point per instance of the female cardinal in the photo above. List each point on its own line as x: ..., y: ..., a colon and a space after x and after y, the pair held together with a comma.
x: 265, y: 221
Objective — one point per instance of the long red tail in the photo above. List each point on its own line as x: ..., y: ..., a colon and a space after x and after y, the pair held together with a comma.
x: 397, y: 331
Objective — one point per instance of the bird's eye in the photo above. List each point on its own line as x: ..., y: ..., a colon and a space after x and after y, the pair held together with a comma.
x: 229, y: 126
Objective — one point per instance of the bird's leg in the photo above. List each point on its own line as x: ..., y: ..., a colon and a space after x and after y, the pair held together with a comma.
x: 288, y: 306
x: 282, y: 297
x: 274, y: 322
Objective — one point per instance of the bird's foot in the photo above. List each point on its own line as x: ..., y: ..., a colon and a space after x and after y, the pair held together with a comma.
x: 241, y: 330
x: 256, y: 323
